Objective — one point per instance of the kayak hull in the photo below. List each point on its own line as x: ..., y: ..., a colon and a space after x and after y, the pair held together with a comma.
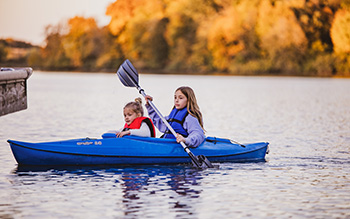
x: 130, y: 150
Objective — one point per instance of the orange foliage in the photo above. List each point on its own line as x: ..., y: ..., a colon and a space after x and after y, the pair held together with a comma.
x: 227, y: 32
x: 278, y: 27
x: 74, y: 49
x: 132, y: 21
x: 340, y: 31
x: 80, y: 25
x: 123, y: 12
x: 283, y: 41
x: 213, y: 35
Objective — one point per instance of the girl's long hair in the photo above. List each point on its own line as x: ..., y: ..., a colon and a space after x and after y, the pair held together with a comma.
x: 192, y: 106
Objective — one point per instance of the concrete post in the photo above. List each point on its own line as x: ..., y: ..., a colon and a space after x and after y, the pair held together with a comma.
x: 13, y: 89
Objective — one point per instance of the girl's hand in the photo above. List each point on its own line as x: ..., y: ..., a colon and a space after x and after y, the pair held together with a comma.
x: 180, y: 138
x: 147, y: 98
x: 121, y: 134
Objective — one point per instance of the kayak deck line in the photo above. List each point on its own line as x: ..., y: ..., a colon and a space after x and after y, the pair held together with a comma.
x: 125, y: 156
x: 130, y: 150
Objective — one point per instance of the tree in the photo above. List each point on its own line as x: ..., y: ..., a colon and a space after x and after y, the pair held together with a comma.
x: 111, y: 52
x: 187, y: 33
x: 53, y: 53
x: 340, y: 33
x: 35, y: 58
x: 82, y: 42
x: 232, y: 36
x: 157, y: 48
x: 3, y: 52
x: 315, y: 18
x: 181, y: 35
x: 283, y: 41
x: 139, y: 26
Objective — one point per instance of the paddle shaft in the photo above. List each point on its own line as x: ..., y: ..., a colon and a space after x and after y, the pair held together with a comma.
x: 142, y: 92
x: 131, y: 82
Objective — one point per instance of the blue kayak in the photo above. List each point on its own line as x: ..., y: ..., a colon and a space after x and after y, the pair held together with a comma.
x: 131, y: 150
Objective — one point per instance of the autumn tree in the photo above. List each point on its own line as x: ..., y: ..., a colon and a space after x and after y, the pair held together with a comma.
x: 340, y: 33
x: 111, y: 52
x: 232, y: 36
x: 35, y: 59
x: 53, y: 53
x: 3, y: 52
x: 315, y: 18
x: 181, y: 33
x: 139, y: 26
x: 188, y: 32
x: 307, y: 37
x: 283, y: 41
x: 83, y: 42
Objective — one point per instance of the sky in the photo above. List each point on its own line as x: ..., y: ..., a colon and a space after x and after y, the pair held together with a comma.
x: 26, y: 20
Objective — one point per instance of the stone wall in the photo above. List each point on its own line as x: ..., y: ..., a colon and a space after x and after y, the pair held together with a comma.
x: 13, y: 89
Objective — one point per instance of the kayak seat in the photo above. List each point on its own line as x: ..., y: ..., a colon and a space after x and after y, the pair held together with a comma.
x: 109, y: 135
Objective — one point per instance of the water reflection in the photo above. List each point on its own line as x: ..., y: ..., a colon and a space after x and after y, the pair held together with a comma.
x: 137, y: 186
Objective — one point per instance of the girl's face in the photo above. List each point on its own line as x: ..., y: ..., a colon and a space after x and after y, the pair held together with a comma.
x: 180, y: 100
x: 130, y: 115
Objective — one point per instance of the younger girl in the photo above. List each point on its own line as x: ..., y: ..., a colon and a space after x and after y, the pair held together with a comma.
x: 185, y: 118
x: 135, y: 123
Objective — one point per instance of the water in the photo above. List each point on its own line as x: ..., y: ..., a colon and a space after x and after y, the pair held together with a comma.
x: 307, y: 173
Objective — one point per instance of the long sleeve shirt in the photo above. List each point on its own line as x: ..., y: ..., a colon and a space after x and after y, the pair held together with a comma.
x: 191, y: 125
x: 143, y: 131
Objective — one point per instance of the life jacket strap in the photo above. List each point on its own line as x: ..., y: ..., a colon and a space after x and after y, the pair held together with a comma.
x: 176, y: 120
x: 168, y: 132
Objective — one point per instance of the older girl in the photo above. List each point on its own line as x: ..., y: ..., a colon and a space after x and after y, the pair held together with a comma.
x: 185, y: 118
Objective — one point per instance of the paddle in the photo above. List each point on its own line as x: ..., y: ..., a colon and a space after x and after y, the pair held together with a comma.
x: 130, y: 78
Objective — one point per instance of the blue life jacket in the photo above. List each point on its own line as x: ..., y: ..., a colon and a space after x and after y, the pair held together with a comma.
x: 176, y: 120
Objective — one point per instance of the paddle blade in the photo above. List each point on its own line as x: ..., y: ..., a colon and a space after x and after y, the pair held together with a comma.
x: 202, y: 162
x: 127, y: 74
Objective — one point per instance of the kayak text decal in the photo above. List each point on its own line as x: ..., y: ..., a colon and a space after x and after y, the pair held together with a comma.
x: 89, y: 143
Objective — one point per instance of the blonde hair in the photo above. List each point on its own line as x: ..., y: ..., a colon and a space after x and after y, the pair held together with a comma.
x: 192, y: 106
x: 135, y: 106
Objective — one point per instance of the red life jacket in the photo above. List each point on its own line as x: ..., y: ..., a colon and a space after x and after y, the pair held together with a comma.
x: 136, y: 124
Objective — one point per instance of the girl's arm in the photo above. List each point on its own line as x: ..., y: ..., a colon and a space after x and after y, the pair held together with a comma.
x: 157, y: 121
x: 195, y: 132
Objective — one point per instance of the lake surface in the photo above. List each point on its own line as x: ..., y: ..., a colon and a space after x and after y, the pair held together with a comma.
x: 306, y: 175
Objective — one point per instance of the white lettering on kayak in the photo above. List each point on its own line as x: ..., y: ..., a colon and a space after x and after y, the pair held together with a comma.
x: 89, y: 143
x: 98, y: 142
